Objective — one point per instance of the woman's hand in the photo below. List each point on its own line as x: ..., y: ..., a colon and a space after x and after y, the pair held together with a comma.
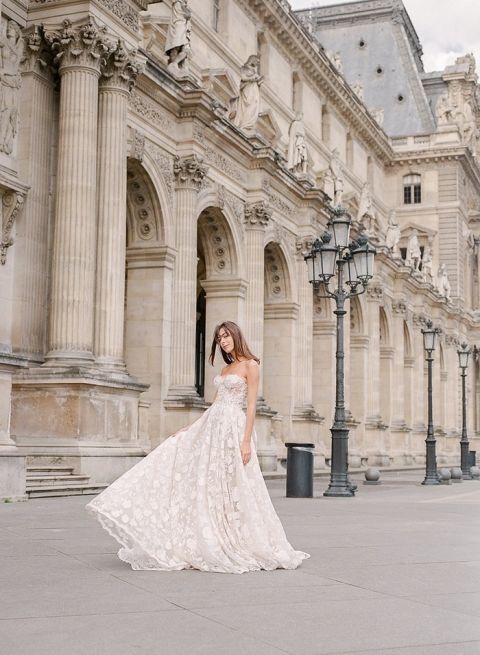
x: 246, y: 451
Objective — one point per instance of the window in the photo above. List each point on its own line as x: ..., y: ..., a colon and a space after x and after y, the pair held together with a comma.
x: 412, y: 189
x: 216, y: 14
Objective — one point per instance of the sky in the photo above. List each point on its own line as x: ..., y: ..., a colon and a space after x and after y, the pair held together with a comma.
x: 447, y: 29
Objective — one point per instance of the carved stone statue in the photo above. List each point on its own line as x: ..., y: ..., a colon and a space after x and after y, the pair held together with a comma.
x: 443, y: 283
x: 357, y: 88
x: 337, y: 62
x: 427, y: 263
x: 392, y: 237
x: 11, y: 51
x: 444, y: 110
x: 297, y: 147
x: 414, y: 254
x: 337, y: 177
x: 365, y: 205
x: 248, y: 106
x: 378, y: 115
x: 177, y: 45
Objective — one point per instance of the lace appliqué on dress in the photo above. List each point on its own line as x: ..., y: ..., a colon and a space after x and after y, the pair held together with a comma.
x: 192, y: 504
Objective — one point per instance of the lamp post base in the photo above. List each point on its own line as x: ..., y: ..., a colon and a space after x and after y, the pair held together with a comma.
x: 339, y: 491
x: 431, y: 480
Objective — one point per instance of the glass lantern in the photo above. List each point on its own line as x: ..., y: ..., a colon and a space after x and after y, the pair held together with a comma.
x: 340, y: 226
x: 363, y: 257
x: 463, y: 355
x: 429, y: 337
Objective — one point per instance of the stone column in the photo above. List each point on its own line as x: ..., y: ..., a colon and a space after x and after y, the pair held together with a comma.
x: 419, y: 379
x: 257, y: 217
x: 374, y: 424
x: 398, y: 427
x: 79, y: 52
x: 117, y: 80
x: 306, y: 422
x: 189, y: 174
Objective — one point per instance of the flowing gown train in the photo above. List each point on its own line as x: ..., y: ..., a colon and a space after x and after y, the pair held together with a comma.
x: 191, y: 503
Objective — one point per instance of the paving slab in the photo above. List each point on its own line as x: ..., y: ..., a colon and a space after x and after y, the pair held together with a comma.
x: 393, y: 571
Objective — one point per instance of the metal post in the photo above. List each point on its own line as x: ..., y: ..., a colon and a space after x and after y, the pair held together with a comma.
x: 464, y: 445
x: 340, y: 485
x: 431, y: 476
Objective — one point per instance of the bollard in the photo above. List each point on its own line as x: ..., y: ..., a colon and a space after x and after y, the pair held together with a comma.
x: 445, y: 476
x: 456, y: 474
x: 372, y: 476
x: 475, y: 472
x: 300, y: 470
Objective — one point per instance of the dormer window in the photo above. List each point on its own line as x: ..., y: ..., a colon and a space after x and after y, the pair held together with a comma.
x: 412, y: 189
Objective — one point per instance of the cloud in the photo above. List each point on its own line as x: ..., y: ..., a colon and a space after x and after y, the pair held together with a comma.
x: 446, y: 29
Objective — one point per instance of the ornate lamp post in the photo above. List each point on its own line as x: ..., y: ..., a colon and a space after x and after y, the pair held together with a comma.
x: 429, y: 342
x: 325, y: 257
x: 463, y: 355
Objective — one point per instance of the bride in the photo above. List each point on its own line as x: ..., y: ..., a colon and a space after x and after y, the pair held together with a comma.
x: 199, y: 500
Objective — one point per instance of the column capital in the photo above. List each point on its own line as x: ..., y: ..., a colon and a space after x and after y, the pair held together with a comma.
x: 257, y: 214
x: 121, y: 69
x: 189, y: 172
x: 84, y: 45
x: 304, y: 245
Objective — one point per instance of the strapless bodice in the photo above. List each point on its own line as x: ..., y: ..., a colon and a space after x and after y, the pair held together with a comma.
x: 232, y: 390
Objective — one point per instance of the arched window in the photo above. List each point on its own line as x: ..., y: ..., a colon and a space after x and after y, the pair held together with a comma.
x: 412, y: 189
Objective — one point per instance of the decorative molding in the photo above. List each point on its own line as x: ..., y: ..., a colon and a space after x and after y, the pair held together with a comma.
x: 257, y: 213
x: 276, y: 201
x: 12, y: 203
x: 189, y: 172
x: 237, y: 206
x: 211, y: 155
x: 135, y: 145
x: 303, y: 245
x: 121, y: 69
x: 149, y: 110
x: 122, y: 9
x: 399, y: 307
x: 164, y: 163
x: 85, y: 44
x: 374, y: 293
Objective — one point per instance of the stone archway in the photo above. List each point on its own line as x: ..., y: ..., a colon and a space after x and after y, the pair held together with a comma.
x: 220, y: 289
x: 147, y: 295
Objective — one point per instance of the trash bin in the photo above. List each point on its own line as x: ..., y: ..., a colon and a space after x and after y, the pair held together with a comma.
x: 472, y: 458
x: 300, y: 470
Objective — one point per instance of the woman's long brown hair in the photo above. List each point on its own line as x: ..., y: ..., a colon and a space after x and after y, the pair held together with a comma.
x: 240, y: 346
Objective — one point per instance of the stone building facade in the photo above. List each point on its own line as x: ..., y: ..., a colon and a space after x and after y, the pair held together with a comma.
x: 164, y: 167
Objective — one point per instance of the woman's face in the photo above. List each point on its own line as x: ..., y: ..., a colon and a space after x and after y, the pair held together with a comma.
x: 225, y: 341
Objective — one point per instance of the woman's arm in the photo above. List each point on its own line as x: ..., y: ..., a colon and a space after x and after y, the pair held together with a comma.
x: 252, y: 376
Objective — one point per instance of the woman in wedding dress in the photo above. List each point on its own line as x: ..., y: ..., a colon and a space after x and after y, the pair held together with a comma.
x: 199, y: 500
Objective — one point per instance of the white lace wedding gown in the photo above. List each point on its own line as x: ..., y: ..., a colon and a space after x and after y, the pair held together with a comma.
x: 191, y: 503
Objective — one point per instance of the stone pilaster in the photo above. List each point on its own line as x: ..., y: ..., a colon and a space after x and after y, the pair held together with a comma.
x: 374, y: 423
x: 305, y: 420
x: 399, y: 431
x: 257, y: 216
x: 79, y: 52
x: 189, y: 174
x: 118, y: 78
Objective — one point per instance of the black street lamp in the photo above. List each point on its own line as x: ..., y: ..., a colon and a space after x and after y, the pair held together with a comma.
x: 429, y: 341
x: 358, y: 257
x: 463, y: 354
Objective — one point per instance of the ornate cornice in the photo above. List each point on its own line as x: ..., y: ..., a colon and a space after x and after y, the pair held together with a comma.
x: 189, y: 172
x: 257, y: 213
x: 311, y: 59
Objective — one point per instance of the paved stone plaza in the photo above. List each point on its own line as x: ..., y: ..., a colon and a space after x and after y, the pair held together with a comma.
x: 395, y: 570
